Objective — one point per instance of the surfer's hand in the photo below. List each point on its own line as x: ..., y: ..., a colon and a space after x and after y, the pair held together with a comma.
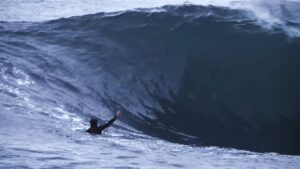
x: 118, y: 113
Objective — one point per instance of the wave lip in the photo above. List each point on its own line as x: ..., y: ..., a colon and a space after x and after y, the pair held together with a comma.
x: 269, y: 14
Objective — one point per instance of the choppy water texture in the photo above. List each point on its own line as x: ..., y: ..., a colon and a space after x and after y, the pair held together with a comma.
x: 200, y: 86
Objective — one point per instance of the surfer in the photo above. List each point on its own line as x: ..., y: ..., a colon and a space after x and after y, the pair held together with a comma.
x: 95, y: 129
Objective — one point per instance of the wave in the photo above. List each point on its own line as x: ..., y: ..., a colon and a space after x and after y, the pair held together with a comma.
x: 192, y: 74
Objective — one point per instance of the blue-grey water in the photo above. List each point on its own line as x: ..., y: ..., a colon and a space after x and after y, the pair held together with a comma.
x: 200, y: 86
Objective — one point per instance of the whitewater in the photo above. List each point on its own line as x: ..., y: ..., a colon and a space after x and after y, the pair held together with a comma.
x: 202, y: 84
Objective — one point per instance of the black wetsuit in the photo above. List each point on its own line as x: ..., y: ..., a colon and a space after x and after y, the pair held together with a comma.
x: 99, y: 129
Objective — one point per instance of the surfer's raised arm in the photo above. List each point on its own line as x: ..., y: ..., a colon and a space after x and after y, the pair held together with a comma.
x: 107, y: 124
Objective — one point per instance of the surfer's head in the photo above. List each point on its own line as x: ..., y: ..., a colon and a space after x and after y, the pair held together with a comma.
x: 93, y: 122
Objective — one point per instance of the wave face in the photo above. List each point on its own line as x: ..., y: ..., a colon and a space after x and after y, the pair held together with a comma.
x: 191, y: 74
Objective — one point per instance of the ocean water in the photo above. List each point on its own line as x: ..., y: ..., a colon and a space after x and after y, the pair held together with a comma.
x: 202, y: 84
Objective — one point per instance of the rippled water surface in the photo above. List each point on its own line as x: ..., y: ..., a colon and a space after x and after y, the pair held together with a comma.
x: 200, y: 86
